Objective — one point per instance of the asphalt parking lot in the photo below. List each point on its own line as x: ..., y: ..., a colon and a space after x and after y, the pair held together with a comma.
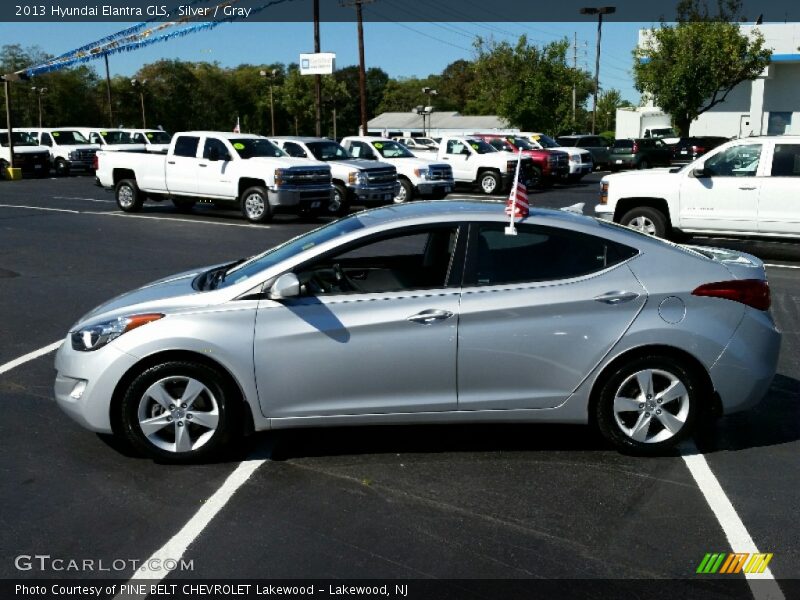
x: 486, y: 502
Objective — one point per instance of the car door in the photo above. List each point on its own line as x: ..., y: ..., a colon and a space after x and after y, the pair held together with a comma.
x: 373, y: 331
x: 539, y: 311
x: 779, y: 197
x: 725, y: 196
x: 181, y: 165
x: 457, y: 154
x: 214, y: 170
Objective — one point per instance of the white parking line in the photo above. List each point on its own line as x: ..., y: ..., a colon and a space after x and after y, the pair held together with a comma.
x: 64, y: 210
x: 175, y: 548
x: 738, y: 537
x: 29, y: 357
x: 80, y: 198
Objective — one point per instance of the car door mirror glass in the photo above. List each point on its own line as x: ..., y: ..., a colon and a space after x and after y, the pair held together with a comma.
x: 285, y: 286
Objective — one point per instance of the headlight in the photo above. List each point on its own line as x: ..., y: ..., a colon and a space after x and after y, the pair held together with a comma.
x: 98, y: 335
x: 603, y: 192
x: 72, y: 155
x: 423, y: 173
x: 280, y: 175
x: 358, y: 178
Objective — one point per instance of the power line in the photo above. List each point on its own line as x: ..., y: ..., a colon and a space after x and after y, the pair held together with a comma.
x: 417, y: 31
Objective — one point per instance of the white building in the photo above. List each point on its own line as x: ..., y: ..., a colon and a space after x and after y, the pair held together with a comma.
x: 768, y: 105
x: 437, y: 124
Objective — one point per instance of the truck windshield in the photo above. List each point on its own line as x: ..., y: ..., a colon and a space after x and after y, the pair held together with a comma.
x: 256, y: 147
x: 68, y: 138
x: 392, y: 150
x: 117, y: 137
x: 480, y: 146
x: 327, y: 151
x: 20, y: 139
x: 158, y: 137
x: 545, y: 141
x: 667, y: 132
x: 521, y: 143
x: 287, y: 250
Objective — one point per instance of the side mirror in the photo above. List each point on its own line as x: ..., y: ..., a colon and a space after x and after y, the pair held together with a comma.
x: 700, y: 172
x: 285, y: 286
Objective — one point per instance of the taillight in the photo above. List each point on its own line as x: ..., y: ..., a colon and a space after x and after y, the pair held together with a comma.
x: 698, y: 149
x: 635, y: 148
x: 752, y: 292
x: 603, y: 192
x: 96, y: 163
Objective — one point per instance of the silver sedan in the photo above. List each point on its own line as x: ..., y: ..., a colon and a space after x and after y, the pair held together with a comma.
x: 429, y: 313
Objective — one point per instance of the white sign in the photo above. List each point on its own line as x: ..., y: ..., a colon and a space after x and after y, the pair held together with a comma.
x: 323, y: 63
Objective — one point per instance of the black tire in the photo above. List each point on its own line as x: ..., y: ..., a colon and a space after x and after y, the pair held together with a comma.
x: 406, y: 192
x: 3, y: 167
x: 623, y: 380
x: 255, y: 204
x: 184, y: 204
x: 216, y: 397
x: 643, y: 164
x: 535, y: 178
x: 128, y: 196
x: 646, y: 219
x: 489, y: 183
x: 61, y: 167
x: 339, y: 204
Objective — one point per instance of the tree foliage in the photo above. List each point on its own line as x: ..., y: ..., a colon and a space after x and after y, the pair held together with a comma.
x: 692, y: 66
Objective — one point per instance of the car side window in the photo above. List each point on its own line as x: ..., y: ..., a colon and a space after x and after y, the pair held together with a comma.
x: 737, y: 161
x: 456, y: 147
x: 138, y: 138
x: 537, y: 253
x: 361, y: 150
x: 215, y: 146
x: 412, y: 260
x: 186, y: 145
x: 45, y: 140
x: 94, y: 138
x: 295, y: 150
x: 786, y: 160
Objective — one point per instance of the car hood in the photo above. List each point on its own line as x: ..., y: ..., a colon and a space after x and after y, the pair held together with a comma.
x: 165, y: 295
x: 289, y: 162
x: 649, y: 175
x: 414, y: 162
x: 360, y: 164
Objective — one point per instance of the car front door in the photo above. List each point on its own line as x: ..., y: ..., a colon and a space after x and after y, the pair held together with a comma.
x: 779, y: 201
x: 372, y: 332
x: 539, y: 311
x: 213, y: 170
x: 725, y: 195
x: 457, y: 154
x: 181, y: 169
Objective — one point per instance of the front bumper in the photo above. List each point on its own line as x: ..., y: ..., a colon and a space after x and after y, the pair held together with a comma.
x: 440, y: 186
x: 101, y: 370
x: 373, y: 194
x: 580, y: 168
x: 80, y: 165
x: 300, y: 199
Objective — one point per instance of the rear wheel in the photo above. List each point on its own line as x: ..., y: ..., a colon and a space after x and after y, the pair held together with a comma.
x: 648, y: 405
x: 3, y: 167
x: 178, y: 412
x: 643, y: 164
x: 129, y: 196
x: 647, y: 220
x: 489, y: 183
x: 184, y: 204
x: 255, y: 205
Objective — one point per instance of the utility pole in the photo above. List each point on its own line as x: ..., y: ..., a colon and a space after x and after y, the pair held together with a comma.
x: 135, y: 83
x: 271, y: 75
x: 362, y: 73
x: 7, y: 84
x: 575, y: 82
x: 603, y: 10
x: 108, y: 91
x: 317, y: 78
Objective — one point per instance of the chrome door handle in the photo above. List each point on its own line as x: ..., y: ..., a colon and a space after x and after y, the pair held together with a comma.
x: 426, y: 317
x: 202, y: 165
x: 747, y: 188
x: 170, y: 162
x: 616, y: 297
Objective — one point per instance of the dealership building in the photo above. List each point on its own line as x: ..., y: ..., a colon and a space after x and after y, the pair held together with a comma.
x: 436, y: 124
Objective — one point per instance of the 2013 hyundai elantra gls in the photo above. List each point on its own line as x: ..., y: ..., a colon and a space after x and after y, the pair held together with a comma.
x: 429, y: 313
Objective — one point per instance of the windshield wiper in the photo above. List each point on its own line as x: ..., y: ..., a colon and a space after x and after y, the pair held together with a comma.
x: 215, y: 277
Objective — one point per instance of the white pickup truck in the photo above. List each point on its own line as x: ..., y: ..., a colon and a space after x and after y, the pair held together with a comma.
x: 356, y: 182
x: 746, y: 187
x: 241, y: 170
x: 477, y: 162
x: 419, y: 177
x: 29, y: 157
x: 69, y: 149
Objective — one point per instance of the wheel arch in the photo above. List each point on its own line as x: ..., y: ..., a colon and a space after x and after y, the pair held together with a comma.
x: 246, y: 183
x: 626, y: 204
x: 247, y: 424
x: 120, y: 174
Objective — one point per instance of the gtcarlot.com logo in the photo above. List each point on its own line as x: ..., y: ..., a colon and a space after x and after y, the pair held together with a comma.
x: 733, y: 562
x: 46, y: 562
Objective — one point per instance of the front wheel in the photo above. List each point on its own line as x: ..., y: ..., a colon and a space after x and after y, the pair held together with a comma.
x: 489, y: 183
x: 61, y: 167
x: 536, y: 180
x: 255, y: 205
x: 338, y: 205
x: 178, y: 412
x: 406, y: 191
x: 648, y: 405
x: 647, y: 220
x: 129, y: 196
x: 3, y: 169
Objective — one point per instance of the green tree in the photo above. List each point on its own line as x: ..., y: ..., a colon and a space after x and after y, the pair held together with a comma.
x: 692, y: 66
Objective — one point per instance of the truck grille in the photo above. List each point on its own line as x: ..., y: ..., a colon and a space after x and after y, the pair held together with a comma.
x: 558, y: 159
x: 84, y: 155
x: 379, y: 176
x: 440, y: 172
x: 308, y: 176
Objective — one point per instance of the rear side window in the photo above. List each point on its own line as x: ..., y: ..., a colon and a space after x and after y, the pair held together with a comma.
x: 186, y: 145
x: 538, y: 253
x: 295, y: 150
x: 786, y: 160
x: 623, y: 143
x: 569, y: 142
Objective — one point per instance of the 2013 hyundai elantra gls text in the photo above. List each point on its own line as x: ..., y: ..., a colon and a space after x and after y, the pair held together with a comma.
x: 429, y: 313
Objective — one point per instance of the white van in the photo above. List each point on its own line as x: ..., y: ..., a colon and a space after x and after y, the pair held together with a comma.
x: 33, y: 159
x: 69, y: 148
x: 154, y: 140
x: 112, y: 140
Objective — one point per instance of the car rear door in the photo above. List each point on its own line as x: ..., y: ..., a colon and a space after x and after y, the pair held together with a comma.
x: 539, y: 311
x: 181, y: 166
x: 779, y: 197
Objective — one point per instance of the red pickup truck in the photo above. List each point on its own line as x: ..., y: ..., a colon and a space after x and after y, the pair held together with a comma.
x: 548, y: 165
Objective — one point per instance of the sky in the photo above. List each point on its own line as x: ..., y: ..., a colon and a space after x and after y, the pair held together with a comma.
x: 400, y: 49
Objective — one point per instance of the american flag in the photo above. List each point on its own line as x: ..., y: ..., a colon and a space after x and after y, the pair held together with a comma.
x: 518, y: 200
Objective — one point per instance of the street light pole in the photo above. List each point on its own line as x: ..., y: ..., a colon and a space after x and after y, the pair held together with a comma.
x: 603, y: 10
x: 39, y: 91
x: 271, y: 75
x: 317, y: 78
x: 140, y: 84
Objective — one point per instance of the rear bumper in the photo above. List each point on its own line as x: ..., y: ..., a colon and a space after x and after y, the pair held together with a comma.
x: 743, y: 372
x: 622, y: 161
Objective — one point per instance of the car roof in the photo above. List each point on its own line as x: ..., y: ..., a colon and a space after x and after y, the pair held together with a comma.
x: 302, y: 138
x: 227, y: 135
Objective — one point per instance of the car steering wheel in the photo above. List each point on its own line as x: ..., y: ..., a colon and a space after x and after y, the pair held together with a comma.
x: 345, y: 283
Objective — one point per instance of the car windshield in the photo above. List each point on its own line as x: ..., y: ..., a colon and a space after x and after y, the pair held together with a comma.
x: 20, y: 139
x: 273, y: 256
x: 67, y: 138
x: 481, y: 147
x: 567, y: 141
x: 389, y: 149
x: 327, y: 151
x: 501, y: 144
x: 545, y: 141
x: 521, y: 143
x: 158, y: 137
x: 256, y: 147
x: 117, y: 137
